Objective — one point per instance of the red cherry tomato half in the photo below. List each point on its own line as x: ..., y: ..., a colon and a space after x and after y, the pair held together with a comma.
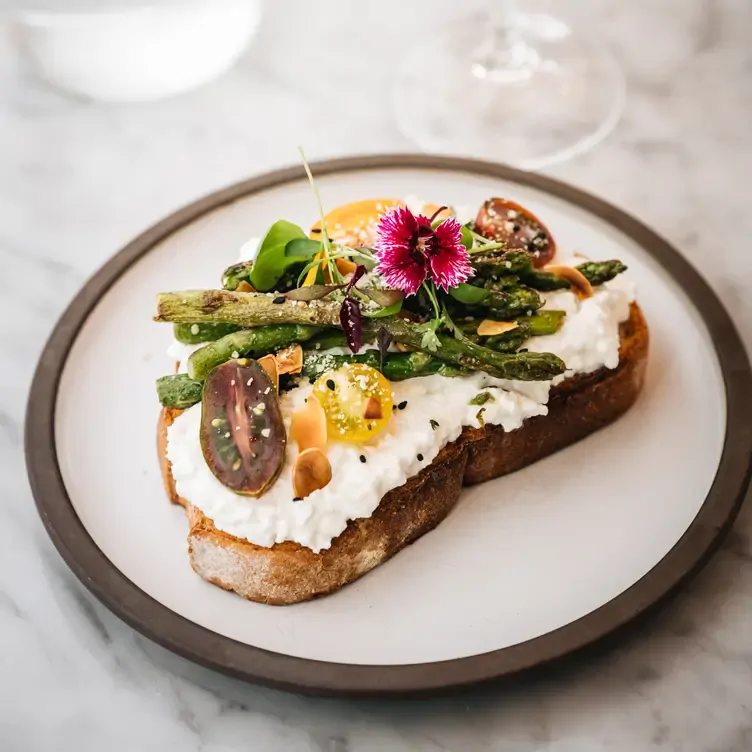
x: 502, y: 220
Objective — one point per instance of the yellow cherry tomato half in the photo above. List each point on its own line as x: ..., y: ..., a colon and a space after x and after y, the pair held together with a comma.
x: 357, y: 400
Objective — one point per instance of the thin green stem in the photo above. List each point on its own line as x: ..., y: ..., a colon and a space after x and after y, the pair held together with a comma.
x: 333, y: 271
x: 431, y: 292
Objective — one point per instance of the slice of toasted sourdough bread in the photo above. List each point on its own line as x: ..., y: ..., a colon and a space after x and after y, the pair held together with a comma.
x: 289, y: 573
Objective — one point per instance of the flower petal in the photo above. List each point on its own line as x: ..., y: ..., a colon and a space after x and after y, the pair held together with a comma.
x: 449, y: 260
x: 399, y: 261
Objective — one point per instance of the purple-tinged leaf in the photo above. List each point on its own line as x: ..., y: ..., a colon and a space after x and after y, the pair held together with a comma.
x: 312, y: 292
x: 360, y: 270
x: 384, y: 339
x: 352, y: 324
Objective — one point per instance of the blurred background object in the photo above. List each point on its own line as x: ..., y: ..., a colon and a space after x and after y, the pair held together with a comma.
x: 134, y: 50
x: 512, y: 85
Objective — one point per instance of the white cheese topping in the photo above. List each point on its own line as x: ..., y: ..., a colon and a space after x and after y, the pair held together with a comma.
x: 587, y: 340
x: 409, y: 443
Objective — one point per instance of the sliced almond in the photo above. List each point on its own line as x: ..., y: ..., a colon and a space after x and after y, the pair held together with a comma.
x: 373, y: 409
x: 244, y: 287
x: 312, y: 471
x: 577, y: 280
x: 308, y: 426
x: 345, y: 266
x: 490, y: 328
x: 290, y: 360
x: 269, y: 364
x: 405, y: 348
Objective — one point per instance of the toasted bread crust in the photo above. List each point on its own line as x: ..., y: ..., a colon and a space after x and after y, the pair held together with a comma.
x: 289, y: 573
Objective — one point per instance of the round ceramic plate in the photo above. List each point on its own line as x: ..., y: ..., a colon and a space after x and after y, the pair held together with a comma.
x: 525, y: 570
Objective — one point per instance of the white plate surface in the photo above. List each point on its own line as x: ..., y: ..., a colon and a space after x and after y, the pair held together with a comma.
x: 517, y: 558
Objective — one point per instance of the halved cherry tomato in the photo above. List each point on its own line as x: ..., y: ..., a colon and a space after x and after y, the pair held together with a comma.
x: 357, y: 401
x: 503, y: 220
x: 355, y: 224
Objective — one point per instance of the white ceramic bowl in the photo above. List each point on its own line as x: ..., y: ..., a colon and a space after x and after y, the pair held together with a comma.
x: 137, y: 52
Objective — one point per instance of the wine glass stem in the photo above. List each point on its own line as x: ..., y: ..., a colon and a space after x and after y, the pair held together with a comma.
x: 504, y: 55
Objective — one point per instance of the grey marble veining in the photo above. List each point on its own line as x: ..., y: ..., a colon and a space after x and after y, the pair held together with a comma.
x: 79, y: 179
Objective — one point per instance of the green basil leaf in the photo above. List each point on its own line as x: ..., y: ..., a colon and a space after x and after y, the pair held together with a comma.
x: 271, y: 262
x: 303, y: 247
x: 469, y: 295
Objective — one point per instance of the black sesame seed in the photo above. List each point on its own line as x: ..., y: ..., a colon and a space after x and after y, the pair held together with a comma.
x: 330, y: 384
x: 370, y: 427
x: 402, y: 405
x: 362, y: 458
x: 516, y: 228
x: 278, y: 300
x: 316, y: 229
x: 420, y: 458
x: 531, y: 246
x: 297, y: 498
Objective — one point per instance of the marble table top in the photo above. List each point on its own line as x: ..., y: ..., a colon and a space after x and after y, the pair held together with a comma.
x: 78, y: 179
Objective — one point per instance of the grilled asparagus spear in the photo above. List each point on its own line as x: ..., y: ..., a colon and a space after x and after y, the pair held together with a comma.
x: 179, y: 391
x: 255, y: 309
x: 247, y: 343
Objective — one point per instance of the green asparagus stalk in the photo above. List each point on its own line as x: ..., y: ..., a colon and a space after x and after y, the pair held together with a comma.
x: 237, y: 273
x: 179, y: 391
x: 396, y: 366
x: 517, y: 301
x: 326, y: 339
x: 509, y: 341
x: 537, y: 325
x: 545, y: 281
x: 598, y: 272
x: 462, y: 352
x: 195, y: 334
x: 543, y: 322
x: 247, y: 343
x: 255, y: 309
x: 246, y: 309
x: 497, y: 265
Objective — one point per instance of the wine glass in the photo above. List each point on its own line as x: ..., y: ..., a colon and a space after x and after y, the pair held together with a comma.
x: 510, y: 86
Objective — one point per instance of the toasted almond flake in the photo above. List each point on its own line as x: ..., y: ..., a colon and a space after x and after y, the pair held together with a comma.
x: 269, y: 364
x: 312, y: 471
x: 308, y: 426
x: 373, y: 409
x: 489, y: 328
x: 245, y: 287
x: 290, y: 360
x: 404, y: 348
x: 577, y: 280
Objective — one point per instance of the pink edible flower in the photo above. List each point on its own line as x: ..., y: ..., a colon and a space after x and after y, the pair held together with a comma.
x: 409, y: 251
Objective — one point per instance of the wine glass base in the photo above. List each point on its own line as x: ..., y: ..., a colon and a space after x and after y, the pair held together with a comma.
x: 550, y: 96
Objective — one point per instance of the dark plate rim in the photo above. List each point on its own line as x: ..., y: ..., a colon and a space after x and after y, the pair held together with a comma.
x: 201, y: 645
